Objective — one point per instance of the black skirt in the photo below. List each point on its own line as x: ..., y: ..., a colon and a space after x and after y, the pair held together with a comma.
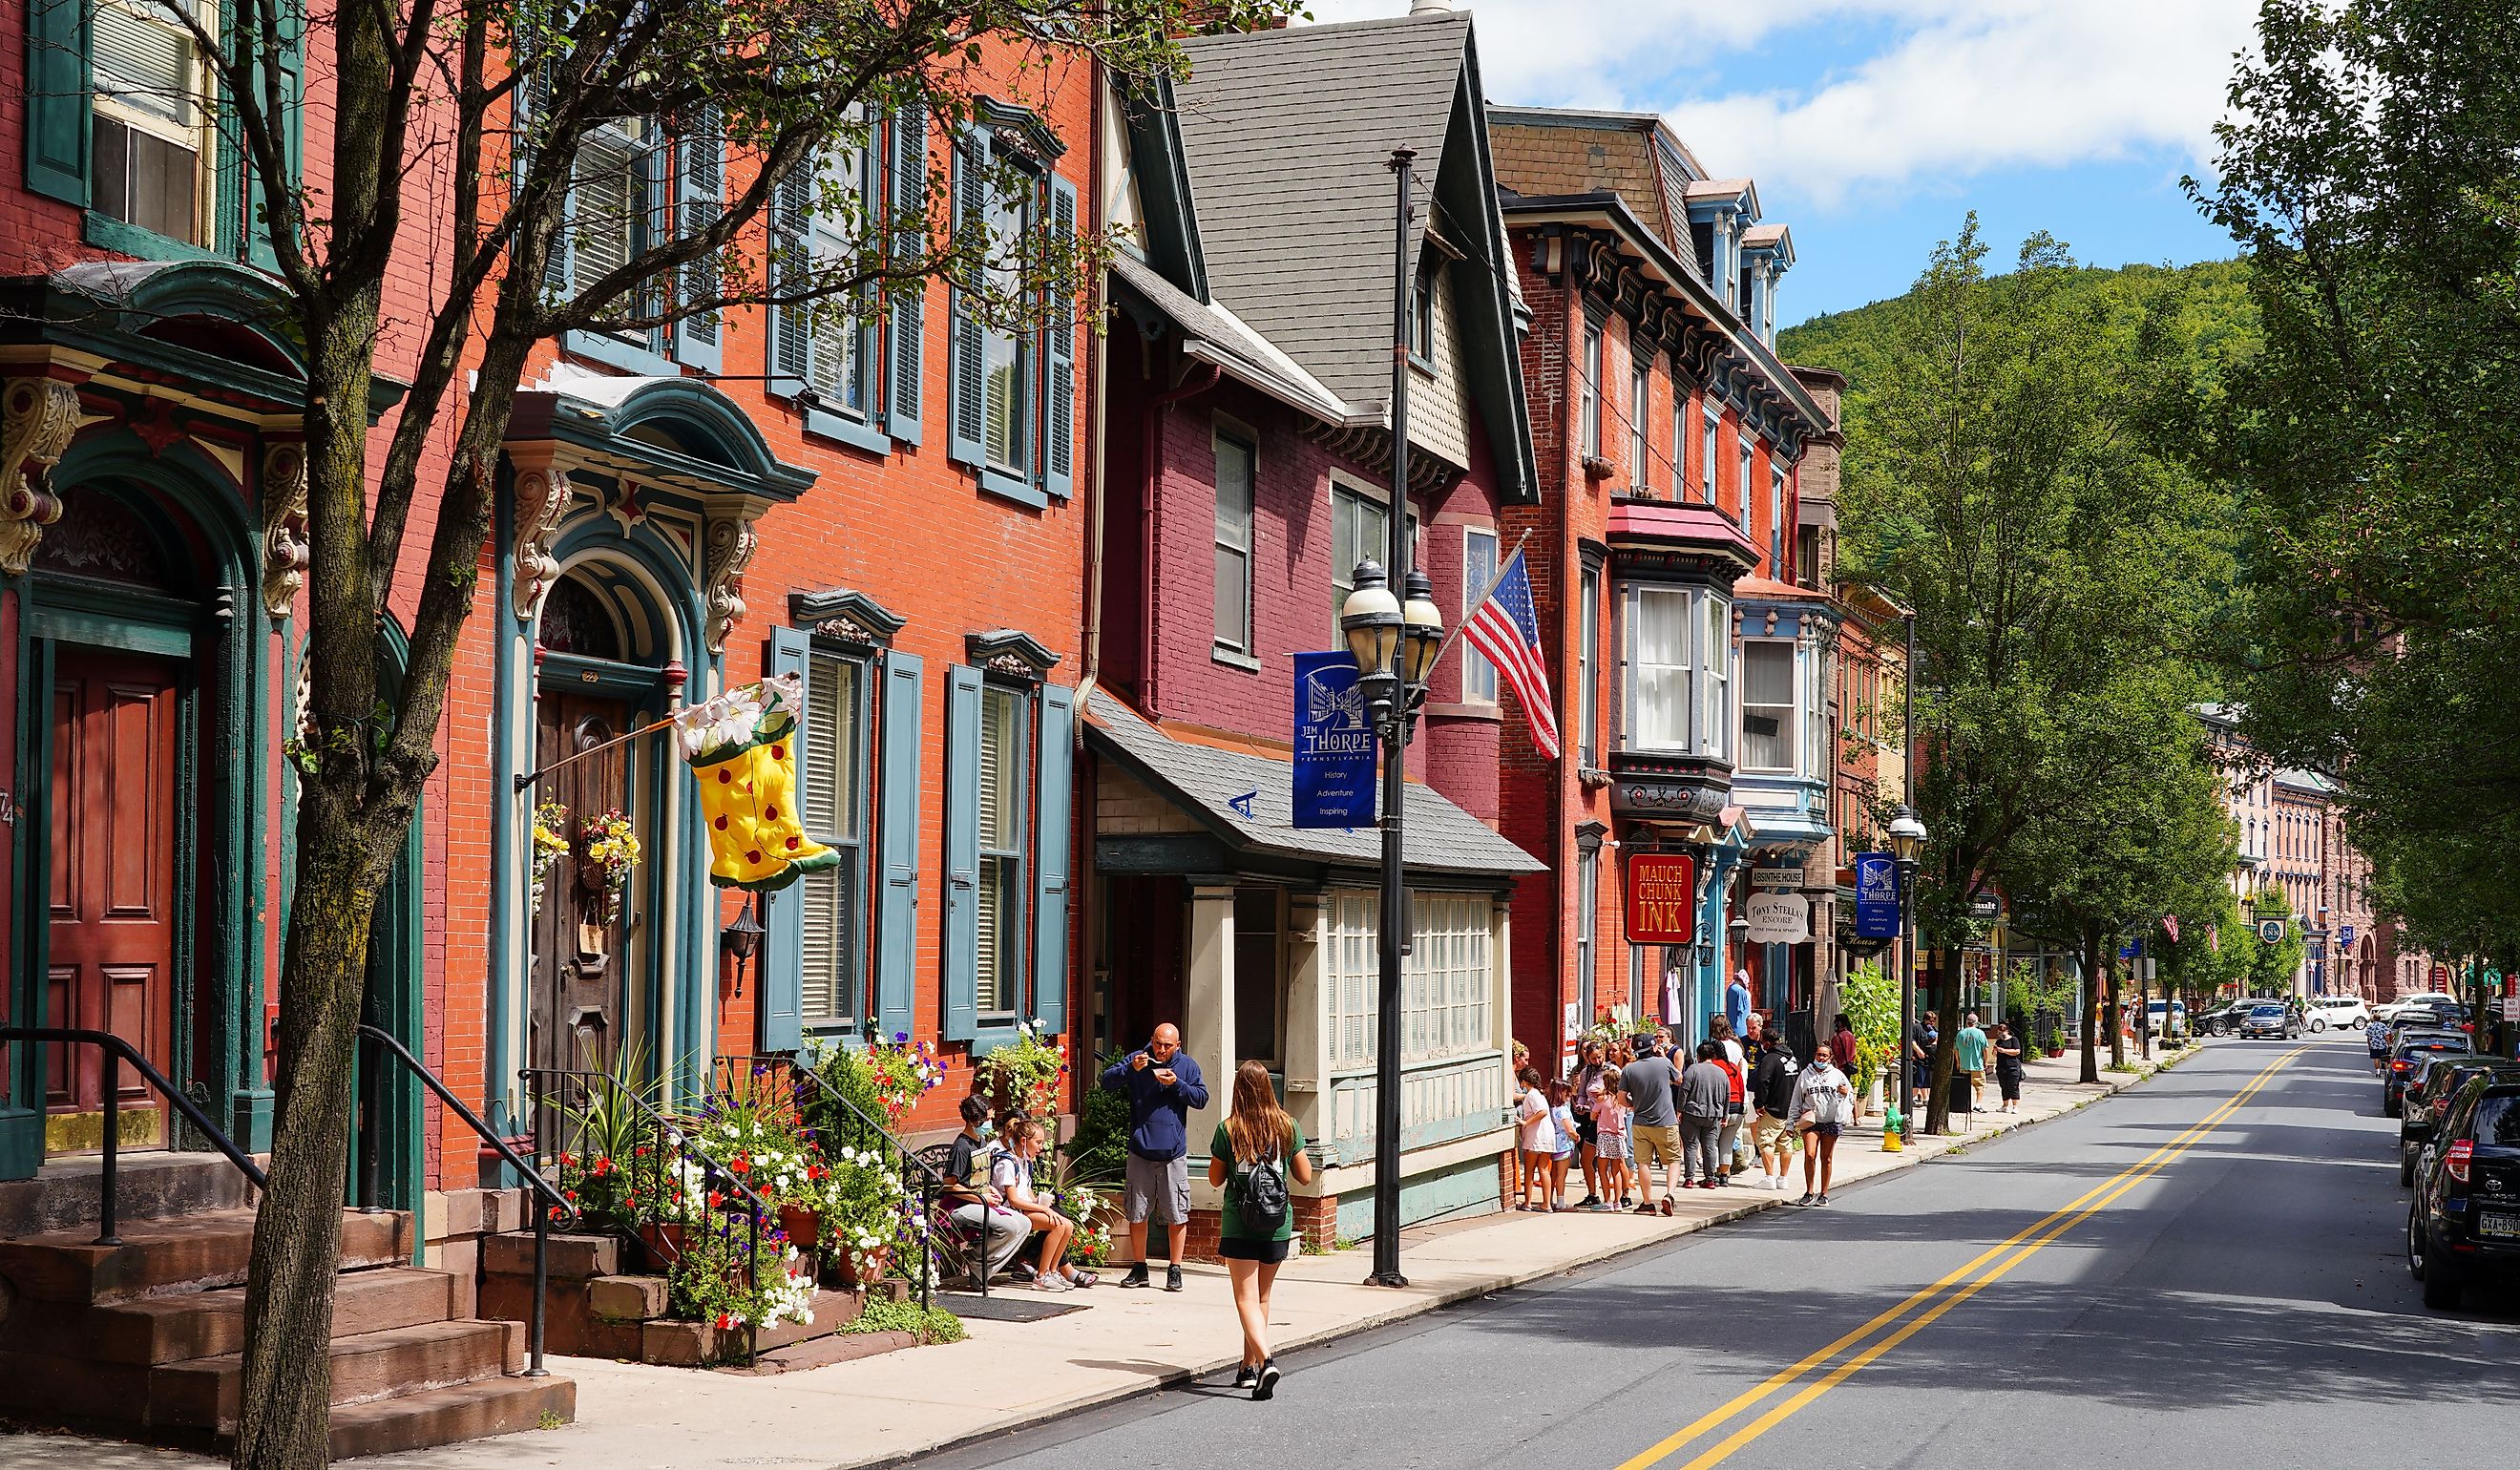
x: 1266, y: 1252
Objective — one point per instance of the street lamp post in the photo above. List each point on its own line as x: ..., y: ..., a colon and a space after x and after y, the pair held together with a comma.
x: 1395, y: 645
x: 1906, y: 840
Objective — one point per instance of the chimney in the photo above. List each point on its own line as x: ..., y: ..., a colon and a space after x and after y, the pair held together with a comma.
x: 1430, y: 7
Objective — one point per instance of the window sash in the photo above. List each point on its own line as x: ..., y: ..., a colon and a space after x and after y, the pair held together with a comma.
x: 1592, y: 392
x: 1008, y: 372
x: 1478, y: 569
x: 1005, y: 797
x: 1741, y: 484
x: 1713, y: 421
x: 1640, y: 399
x: 833, y: 948
x: 1445, y: 982
x: 1588, y: 669
x: 1768, y: 669
x: 1717, y: 732
x: 1659, y: 637
x: 1233, y: 542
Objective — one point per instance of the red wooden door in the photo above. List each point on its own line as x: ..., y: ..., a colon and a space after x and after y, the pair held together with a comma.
x: 112, y: 889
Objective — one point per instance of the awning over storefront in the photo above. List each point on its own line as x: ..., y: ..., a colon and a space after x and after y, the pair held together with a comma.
x: 1240, y: 802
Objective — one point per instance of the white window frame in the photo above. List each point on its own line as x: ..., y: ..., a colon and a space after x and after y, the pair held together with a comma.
x: 1447, y: 982
x: 1777, y: 521
x: 1640, y: 399
x: 1790, y: 712
x: 1342, y: 562
x: 1713, y: 424
x: 1243, y: 638
x: 1478, y: 675
x: 1588, y: 668
x: 1591, y: 422
x: 835, y: 1000
x: 194, y: 97
x: 1748, y: 464
x: 1716, y: 668
x: 1643, y: 678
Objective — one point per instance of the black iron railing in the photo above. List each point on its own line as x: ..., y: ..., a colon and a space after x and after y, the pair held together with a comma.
x: 552, y: 1205
x: 570, y: 1096
x: 108, y: 1228
x: 839, y: 1122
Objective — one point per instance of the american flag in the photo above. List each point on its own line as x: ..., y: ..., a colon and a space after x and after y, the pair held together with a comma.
x: 2170, y: 927
x: 1507, y: 629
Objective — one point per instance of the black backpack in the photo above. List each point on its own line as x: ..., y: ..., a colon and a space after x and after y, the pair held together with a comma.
x: 1263, y: 1195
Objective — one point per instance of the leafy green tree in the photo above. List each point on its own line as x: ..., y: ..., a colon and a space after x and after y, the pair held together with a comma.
x: 2272, y: 967
x: 2006, y: 476
x: 460, y: 132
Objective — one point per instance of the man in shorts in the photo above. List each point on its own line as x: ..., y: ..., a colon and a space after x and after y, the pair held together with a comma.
x: 1654, y: 1129
x: 1163, y: 1088
x: 1968, y: 1057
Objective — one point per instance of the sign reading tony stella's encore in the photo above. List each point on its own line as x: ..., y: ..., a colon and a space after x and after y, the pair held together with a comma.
x: 1662, y: 898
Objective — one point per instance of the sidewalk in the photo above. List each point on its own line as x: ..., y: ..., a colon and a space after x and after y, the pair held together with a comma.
x: 872, y: 1410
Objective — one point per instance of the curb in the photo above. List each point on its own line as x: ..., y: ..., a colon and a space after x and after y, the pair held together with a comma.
x: 1453, y: 1296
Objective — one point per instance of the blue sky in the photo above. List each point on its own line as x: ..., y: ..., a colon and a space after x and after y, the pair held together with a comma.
x: 1873, y: 126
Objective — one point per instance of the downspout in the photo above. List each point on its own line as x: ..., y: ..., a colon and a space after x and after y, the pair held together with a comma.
x: 1564, y: 800
x: 1148, y: 642
x: 1083, y: 880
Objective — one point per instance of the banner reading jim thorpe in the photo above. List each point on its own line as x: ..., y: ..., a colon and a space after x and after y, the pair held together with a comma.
x: 1333, y: 744
x: 1876, y: 896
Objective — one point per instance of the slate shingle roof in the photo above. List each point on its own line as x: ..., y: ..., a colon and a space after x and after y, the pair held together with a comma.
x: 1440, y: 837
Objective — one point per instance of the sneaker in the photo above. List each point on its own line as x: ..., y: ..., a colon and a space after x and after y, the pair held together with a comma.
x: 1051, y: 1282
x: 1823, y: 1199
x: 1172, y: 1279
x: 1710, y: 1183
x: 1588, y: 1202
x: 1137, y: 1276
x: 1246, y: 1376
x: 1807, y: 1198
x: 1022, y: 1272
x: 1267, y: 1387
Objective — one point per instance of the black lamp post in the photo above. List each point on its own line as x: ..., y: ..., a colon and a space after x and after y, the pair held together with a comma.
x: 1394, y: 644
x: 1906, y: 840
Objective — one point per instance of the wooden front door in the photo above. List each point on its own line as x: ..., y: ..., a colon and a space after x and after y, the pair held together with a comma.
x: 580, y: 1006
x: 112, y: 880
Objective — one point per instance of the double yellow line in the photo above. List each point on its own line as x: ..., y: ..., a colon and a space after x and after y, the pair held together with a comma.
x: 1896, y: 1324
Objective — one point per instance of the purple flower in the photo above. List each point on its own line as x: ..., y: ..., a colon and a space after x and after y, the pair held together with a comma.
x: 899, y: 1037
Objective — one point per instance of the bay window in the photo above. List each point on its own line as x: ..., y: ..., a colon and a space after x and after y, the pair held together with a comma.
x: 1658, y: 631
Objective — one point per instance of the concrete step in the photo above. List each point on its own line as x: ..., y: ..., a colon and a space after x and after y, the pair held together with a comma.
x: 207, y: 1323
x: 189, y: 1253
x: 452, y: 1415
x: 203, y: 1392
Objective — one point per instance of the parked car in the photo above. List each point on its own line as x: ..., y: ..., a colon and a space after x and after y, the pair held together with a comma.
x: 2435, y: 1080
x: 2464, y: 1224
x: 2339, y: 1011
x: 2270, y: 1018
x: 2402, y: 1063
x: 2388, y: 1011
x: 2223, y: 1019
x: 2169, y: 1018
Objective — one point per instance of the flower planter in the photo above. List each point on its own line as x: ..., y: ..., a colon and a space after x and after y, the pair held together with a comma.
x: 803, y: 1226
x: 862, y: 1268
x: 662, y: 1240
x: 2055, y: 1052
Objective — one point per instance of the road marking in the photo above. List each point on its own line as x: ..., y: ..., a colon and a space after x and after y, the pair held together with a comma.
x: 2020, y: 1247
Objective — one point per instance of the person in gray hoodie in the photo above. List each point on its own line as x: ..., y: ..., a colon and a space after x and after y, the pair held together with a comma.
x: 1705, y: 1092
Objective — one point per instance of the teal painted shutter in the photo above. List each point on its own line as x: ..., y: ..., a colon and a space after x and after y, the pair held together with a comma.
x: 534, y: 99
x: 962, y: 853
x: 701, y: 197
x: 791, y: 327
x: 908, y: 323
x: 292, y: 96
x: 1058, y: 471
x: 897, y: 838
x: 57, y: 98
x: 1050, y: 850
x: 964, y: 409
x: 778, y: 995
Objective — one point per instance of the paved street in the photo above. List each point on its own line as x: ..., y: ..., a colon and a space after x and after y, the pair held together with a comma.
x: 2176, y: 1274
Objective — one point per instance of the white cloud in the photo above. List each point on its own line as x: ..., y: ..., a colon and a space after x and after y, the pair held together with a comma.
x: 1892, y: 94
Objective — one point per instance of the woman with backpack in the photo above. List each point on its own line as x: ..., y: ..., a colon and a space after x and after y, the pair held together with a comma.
x: 1257, y: 1149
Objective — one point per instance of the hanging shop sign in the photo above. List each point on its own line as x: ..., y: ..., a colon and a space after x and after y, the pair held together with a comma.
x: 1775, y: 877
x: 1876, y: 896
x: 1662, y: 898
x: 1777, y: 918
x: 2271, y: 931
x: 743, y: 750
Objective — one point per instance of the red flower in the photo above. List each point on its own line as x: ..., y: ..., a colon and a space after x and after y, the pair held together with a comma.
x: 556, y: 1213
x: 570, y: 1194
x: 813, y: 1171
x: 639, y: 1152
x: 716, y: 1199
x: 725, y: 1321
x: 602, y: 1166
x: 742, y: 1165
x: 566, y: 1158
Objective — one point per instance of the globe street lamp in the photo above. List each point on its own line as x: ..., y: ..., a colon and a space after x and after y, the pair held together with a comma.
x: 1394, y: 643
x: 1907, y: 841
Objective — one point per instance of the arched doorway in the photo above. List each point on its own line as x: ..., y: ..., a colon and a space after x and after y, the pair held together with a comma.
x: 138, y: 795
x: 606, y: 667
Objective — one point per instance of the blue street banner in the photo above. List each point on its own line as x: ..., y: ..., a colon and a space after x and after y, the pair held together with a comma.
x: 1334, y: 785
x: 2130, y: 949
x: 1876, y: 896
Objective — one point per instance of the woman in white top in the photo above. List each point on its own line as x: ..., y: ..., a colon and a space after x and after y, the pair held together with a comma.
x: 1823, y: 1103
x: 1010, y: 1171
x: 1539, y: 1140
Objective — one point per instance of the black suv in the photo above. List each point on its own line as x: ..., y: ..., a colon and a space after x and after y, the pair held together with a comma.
x: 2465, y: 1220
x: 2428, y: 1098
x: 2402, y: 1063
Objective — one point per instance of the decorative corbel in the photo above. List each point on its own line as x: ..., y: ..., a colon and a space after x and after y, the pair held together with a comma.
x: 37, y: 417
x: 284, y: 526
x: 542, y: 499
x: 729, y: 547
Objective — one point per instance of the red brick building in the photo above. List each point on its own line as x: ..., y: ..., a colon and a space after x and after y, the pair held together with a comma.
x: 1664, y: 550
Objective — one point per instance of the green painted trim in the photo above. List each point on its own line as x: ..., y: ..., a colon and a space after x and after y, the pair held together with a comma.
x: 102, y: 629
x: 22, y: 1124
x: 105, y: 232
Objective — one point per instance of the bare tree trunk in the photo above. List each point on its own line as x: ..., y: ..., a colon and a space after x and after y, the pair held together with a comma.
x: 284, y: 1418
x: 2091, y: 1021
x: 1946, y: 1012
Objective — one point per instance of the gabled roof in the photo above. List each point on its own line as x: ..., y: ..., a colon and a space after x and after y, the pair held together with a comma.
x: 1211, y: 333
x: 1716, y: 193
x: 1288, y: 135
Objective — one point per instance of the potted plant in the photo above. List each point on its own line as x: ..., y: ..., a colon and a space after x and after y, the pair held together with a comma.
x: 1022, y: 1076
x: 868, y: 1214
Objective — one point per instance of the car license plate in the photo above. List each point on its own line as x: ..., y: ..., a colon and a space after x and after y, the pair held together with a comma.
x: 2496, y: 1223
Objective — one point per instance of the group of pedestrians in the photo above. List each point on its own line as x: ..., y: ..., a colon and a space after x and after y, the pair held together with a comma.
x: 1976, y: 1053
x: 1638, y: 1101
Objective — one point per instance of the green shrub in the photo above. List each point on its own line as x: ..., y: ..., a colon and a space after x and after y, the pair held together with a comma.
x: 933, y: 1324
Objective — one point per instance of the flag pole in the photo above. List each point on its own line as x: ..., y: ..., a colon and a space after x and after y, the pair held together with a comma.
x: 528, y: 779
x: 1453, y: 633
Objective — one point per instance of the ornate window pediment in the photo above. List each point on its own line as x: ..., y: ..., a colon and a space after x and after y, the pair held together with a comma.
x: 850, y: 617
x: 1018, y: 655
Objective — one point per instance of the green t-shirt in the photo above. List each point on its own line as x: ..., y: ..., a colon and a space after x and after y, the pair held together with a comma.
x: 1231, y: 1226
x: 1969, y: 1050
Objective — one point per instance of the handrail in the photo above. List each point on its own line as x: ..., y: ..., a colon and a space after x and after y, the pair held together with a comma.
x: 108, y: 1228
x: 560, y: 1205
x: 731, y: 1191
x: 931, y: 1182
